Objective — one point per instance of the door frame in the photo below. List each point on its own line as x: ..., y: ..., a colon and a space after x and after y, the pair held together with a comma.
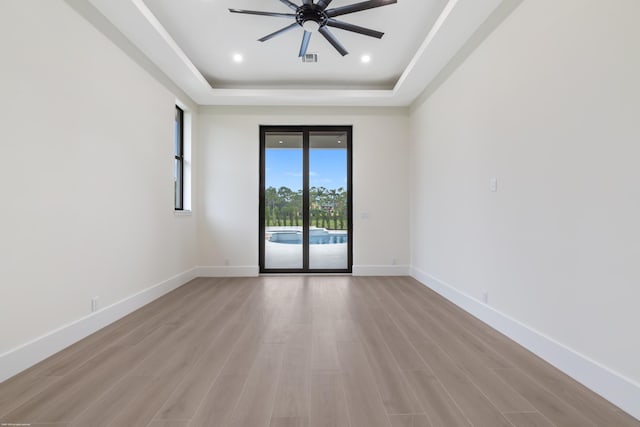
x: 305, y: 130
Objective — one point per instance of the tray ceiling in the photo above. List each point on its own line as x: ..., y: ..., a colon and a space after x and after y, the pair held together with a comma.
x: 194, y: 43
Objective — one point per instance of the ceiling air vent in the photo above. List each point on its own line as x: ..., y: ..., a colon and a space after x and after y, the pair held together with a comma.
x: 310, y: 57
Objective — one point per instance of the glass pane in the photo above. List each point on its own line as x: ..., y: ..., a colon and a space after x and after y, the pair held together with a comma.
x: 176, y: 139
x: 177, y: 184
x: 283, y: 200
x: 177, y: 148
x: 328, y: 245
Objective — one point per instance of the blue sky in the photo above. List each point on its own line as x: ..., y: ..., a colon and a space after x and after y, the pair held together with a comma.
x: 327, y: 168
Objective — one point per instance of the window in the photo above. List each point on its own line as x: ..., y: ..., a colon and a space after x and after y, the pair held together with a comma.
x: 178, y: 169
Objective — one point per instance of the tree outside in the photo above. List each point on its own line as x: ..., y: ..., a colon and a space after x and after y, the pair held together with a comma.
x: 327, y: 207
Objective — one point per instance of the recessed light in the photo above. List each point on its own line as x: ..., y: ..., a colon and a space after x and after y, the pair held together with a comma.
x: 365, y: 59
x: 237, y: 58
x: 280, y: 142
x: 339, y: 142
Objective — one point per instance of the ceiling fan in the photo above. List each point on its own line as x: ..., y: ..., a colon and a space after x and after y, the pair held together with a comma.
x: 314, y: 17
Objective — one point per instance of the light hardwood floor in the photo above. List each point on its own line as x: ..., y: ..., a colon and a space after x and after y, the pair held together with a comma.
x: 300, y: 352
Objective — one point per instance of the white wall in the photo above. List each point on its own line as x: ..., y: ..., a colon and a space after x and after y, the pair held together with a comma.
x: 87, y: 175
x: 548, y: 104
x: 228, y: 162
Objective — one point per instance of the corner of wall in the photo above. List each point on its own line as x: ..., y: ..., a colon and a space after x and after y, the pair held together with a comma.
x: 228, y: 271
x: 501, y: 13
x: 614, y: 387
x: 380, y: 270
x: 27, y: 355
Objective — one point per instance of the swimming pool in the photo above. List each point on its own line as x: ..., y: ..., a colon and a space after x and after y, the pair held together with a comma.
x: 316, y: 237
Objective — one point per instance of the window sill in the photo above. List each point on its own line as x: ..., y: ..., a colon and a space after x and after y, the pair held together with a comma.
x: 182, y: 213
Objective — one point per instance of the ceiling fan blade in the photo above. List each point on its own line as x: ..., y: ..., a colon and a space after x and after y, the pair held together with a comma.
x: 280, y: 31
x: 333, y: 40
x: 357, y: 7
x: 322, y: 4
x: 305, y: 43
x: 291, y: 5
x: 256, y: 12
x: 354, y: 28
x: 308, y: 2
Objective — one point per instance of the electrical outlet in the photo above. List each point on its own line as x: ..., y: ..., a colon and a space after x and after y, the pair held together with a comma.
x: 485, y: 296
x: 95, y: 304
x: 227, y: 262
x: 394, y: 261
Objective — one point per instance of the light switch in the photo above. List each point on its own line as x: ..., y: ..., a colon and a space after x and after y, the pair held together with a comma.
x: 493, y: 184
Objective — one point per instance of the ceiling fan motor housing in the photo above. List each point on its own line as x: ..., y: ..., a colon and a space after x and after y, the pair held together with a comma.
x: 310, y: 13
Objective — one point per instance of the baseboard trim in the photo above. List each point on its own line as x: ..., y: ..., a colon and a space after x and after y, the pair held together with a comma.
x: 619, y: 390
x: 228, y: 271
x: 253, y: 271
x: 380, y: 270
x: 23, y: 357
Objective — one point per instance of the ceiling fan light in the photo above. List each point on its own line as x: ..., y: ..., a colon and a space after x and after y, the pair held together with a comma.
x: 311, y: 26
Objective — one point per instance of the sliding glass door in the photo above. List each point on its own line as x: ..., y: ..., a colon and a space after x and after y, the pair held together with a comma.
x: 282, y: 201
x: 305, y: 199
